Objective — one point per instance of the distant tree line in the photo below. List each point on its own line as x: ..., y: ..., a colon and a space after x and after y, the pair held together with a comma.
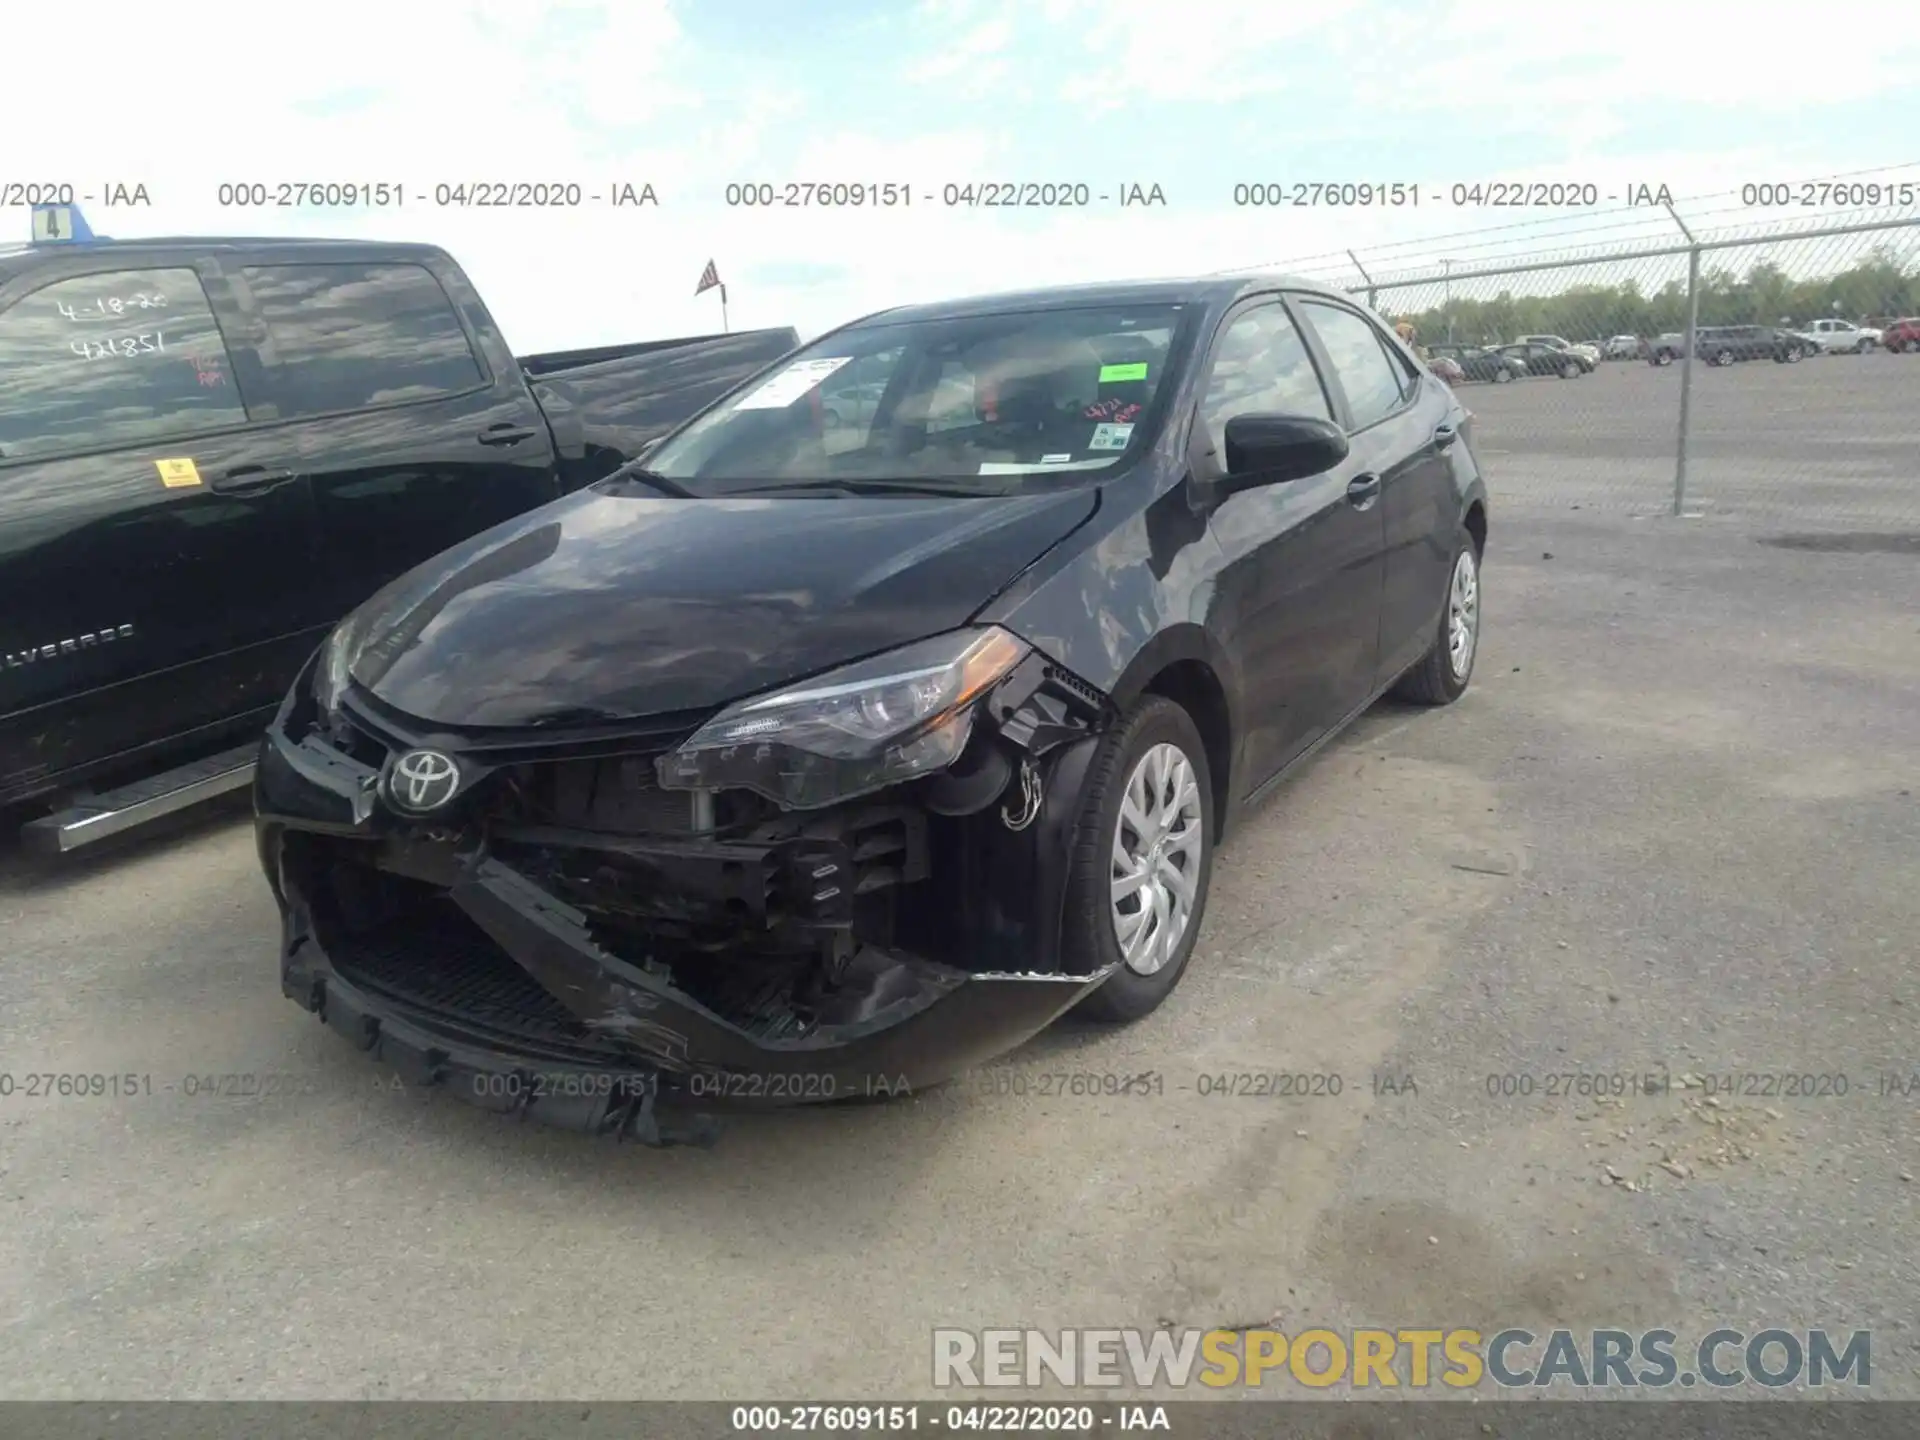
x: 1880, y: 287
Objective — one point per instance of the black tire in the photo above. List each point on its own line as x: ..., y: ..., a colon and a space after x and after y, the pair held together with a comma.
x: 1433, y: 680
x: 1865, y: 347
x: 1723, y: 357
x: 1088, y: 942
x: 1663, y: 357
x: 1572, y: 370
x: 1794, y: 355
x: 1502, y: 376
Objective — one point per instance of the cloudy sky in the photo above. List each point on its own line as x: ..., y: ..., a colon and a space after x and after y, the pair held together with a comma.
x: 691, y: 95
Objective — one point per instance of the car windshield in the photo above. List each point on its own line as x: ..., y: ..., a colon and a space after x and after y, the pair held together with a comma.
x: 979, y: 404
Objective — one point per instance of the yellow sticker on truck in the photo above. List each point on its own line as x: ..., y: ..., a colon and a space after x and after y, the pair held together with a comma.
x: 177, y: 474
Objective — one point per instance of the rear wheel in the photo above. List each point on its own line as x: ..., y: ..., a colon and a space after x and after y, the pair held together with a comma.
x: 1663, y: 357
x: 1502, y: 376
x: 1793, y: 355
x: 1141, y: 861
x: 1570, y: 370
x: 1443, y: 674
x: 1723, y: 357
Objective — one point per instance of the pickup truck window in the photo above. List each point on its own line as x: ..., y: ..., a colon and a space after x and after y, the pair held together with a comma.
x: 114, y: 358
x: 354, y: 337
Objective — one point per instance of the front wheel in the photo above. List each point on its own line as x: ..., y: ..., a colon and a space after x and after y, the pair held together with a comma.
x: 1865, y: 347
x: 1443, y: 674
x: 1663, y: 357
x: 1141, y: 861
x: 1794, y: 355
x: 1502, y: 376
x: 1570, y: 371
x: 1723, y: 357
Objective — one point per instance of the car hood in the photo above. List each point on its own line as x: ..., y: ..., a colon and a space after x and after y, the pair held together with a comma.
x: 611, y: 607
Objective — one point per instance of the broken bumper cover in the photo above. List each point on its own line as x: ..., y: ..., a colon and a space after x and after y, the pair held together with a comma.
x: 643, y: 1057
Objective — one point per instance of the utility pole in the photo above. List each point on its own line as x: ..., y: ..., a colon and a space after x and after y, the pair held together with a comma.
x: 1686, y: 364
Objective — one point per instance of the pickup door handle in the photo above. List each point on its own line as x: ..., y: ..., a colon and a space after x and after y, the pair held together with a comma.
x: 1362, y: 491
x: 506, y: 433
x: 1445, y: 433
x: 249, y: 480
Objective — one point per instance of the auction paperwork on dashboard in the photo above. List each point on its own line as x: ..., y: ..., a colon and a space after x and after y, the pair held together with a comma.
x: 790, y: 384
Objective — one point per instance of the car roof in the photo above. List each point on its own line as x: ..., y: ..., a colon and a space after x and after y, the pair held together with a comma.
x: 1206, y: 290
x: 17, y: 258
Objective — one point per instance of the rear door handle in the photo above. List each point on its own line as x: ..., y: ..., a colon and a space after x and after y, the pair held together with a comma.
x: 1445, y: 433
x: 1362, y: 491
x: 506, y: 433
x: 249, y: 480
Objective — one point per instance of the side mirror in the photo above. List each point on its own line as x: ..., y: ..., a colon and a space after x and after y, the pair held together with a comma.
x: 1273, y: 449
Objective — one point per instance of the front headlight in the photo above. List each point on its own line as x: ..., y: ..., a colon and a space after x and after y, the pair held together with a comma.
x: 330, y: 672
x: 851, y: 731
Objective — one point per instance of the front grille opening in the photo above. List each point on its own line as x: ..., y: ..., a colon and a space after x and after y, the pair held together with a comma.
x: 405, y: 941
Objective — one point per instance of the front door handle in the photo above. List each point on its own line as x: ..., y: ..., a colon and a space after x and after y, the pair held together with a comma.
x: 506, y: 433
x: 1362, y: 491
x: 1445, y: 433
x: 249, y: 480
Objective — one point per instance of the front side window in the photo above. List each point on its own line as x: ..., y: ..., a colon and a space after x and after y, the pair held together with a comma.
x: 1261, y: 367
x: 119, y: 358
x: 978, y: 404
x: 355, y: 337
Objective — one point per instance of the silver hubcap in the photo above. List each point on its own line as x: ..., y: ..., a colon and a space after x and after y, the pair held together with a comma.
x: 1157, y: 846
x: 1463, y: 614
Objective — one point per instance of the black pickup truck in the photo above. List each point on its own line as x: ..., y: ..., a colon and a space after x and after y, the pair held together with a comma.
x: 212, y: 449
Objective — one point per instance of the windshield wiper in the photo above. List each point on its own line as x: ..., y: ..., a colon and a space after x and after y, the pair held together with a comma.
x: 653, y: 478
x: 865, y: 487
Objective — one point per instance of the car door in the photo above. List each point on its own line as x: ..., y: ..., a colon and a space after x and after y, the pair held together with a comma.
x: 1299, y: 593
x: 413, y: 436
x: 1401, y: 424
x: 157, y: 562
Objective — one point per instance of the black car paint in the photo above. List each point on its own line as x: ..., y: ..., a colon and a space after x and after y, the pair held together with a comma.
x: 1274, y: 615
x: 145, y: 625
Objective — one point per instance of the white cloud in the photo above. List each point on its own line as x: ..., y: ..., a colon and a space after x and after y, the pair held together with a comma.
x: 423, y: 91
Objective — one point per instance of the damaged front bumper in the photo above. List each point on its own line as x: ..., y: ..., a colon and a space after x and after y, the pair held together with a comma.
x: 469, y: 959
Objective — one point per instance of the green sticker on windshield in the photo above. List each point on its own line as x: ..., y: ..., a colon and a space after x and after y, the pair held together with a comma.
x: 1114, y: 374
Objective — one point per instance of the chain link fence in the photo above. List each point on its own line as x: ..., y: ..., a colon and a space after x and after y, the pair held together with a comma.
x: 1766, y: 371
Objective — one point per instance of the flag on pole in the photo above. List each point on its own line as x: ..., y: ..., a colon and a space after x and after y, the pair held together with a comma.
x: 709, y: 278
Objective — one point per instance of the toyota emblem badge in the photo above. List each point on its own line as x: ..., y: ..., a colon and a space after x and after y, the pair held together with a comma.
x: 422, y: 781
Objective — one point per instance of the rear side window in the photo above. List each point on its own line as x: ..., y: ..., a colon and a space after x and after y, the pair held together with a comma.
x: 1372, y: 380
x: 352, y: 337
x: 117, y: 358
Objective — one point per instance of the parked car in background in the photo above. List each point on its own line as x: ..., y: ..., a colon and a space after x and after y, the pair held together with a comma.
x: 1589, y: 353
x: 1447, y: 368
x: 1480, y: 364
x: 1538, y: 359
x: 1624, y: 347
x: 1902, y: 335
x: 212, y: 449
x: 1842, y: 337
x: 768, y: 772
x: 1727, y: 344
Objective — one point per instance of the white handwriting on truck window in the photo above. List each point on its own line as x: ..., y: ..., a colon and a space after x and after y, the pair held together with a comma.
x: 109, y: 307
x: 154, y: 342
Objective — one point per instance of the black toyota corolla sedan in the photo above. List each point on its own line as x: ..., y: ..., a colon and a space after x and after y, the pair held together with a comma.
x: 806, y: 761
